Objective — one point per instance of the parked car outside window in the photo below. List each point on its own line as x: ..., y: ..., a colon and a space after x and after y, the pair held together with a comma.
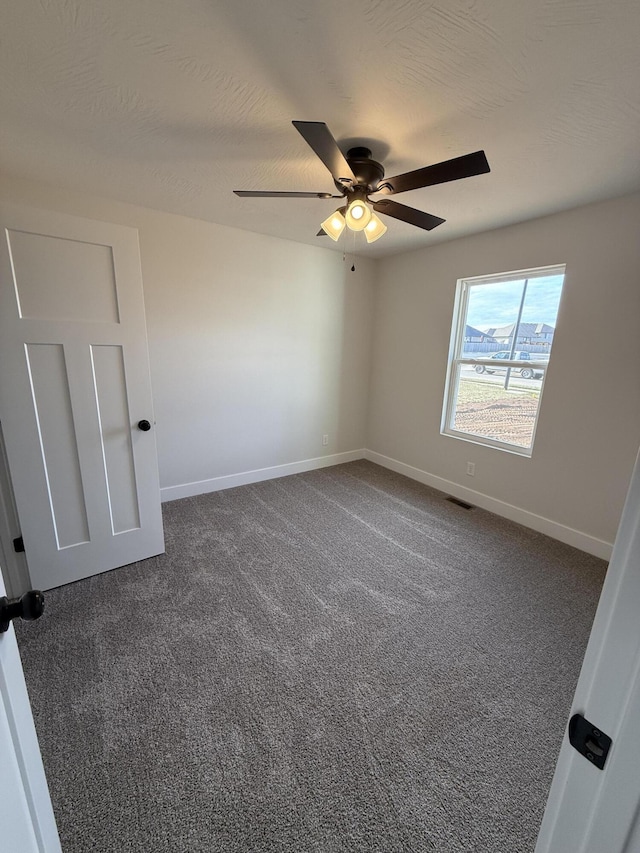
x: 525, y: 372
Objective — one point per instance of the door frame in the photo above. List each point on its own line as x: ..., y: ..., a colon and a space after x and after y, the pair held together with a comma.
x: 15, y: 569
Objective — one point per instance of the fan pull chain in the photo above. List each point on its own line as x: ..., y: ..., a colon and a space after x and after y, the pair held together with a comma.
x: 344, y: 250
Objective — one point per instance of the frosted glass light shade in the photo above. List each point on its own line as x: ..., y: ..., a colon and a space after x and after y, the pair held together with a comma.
x: 374, y: 229
x: 334, y: 225
x: 358, y: 215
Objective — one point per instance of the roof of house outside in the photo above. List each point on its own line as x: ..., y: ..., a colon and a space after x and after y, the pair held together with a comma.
x: 472, y: 332
x: 525, y: 330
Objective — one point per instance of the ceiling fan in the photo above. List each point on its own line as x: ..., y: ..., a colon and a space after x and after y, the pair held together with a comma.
x: 357, y: 176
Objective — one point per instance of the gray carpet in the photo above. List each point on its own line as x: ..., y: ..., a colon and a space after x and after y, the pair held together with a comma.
x: 335, y: 661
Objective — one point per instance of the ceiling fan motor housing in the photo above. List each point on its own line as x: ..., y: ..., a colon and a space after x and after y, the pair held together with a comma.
x: 368, y: 172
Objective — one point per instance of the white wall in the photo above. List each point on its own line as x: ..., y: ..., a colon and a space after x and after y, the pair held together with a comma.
x: 258, y: 346
x: 589, y: 426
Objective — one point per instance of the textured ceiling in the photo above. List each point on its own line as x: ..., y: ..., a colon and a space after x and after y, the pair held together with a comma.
x: 173, y: 105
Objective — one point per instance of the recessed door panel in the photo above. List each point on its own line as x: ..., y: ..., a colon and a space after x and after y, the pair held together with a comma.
x: 78, y: 278
x: 58, y: 444
x: 115, y: 430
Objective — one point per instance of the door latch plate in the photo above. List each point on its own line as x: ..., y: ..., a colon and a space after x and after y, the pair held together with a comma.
x: 589, y: 740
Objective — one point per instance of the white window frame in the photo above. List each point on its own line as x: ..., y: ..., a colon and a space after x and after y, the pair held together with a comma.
x: 455, y: 360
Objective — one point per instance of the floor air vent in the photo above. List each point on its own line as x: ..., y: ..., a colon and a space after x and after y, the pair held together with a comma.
x: 458, y: 502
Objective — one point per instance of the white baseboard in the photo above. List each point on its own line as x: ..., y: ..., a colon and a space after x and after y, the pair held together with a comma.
x: 597, y: 547
x: 216, y: 484
x: 576, y: 538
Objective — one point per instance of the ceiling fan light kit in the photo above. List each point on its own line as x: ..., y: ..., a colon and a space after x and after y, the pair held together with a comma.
x: 359, y: 176
x: 358, y: 214
x: 374, y: 229
x: 334, y: 225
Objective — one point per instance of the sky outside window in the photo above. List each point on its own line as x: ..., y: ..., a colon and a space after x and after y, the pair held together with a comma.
x: 496, y: 304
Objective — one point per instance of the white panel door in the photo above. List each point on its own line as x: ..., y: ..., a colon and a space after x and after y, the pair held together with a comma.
x: 74, y: 385
x: 27, y: 824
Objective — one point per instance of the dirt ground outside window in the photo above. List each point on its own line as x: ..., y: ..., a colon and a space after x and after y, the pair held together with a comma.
x: 487, y: 409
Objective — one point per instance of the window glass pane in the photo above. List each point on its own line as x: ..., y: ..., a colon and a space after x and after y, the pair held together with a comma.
x: 502, y: 318
x: 490, y: 307
x: 485, y: 408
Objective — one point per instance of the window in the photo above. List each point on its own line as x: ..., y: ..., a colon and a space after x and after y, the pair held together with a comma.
x: 503, y: 328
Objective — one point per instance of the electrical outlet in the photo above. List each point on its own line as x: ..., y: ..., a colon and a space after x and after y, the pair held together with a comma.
x: 325, y: 440
x: 471, y: 469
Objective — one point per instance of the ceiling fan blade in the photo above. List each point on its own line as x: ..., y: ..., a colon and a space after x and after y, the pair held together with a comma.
x: 318, y: 136
x: 407, y: 214
x: 321, y: 233
x: 261, y: 194
x: 449, y: 170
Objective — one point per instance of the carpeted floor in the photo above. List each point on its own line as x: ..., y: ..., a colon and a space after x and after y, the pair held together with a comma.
x: 335, y: 662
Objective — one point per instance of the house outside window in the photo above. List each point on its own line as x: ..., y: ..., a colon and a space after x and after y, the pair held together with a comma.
x: 501, y: 340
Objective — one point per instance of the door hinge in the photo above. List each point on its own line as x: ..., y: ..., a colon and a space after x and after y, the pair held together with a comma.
x: 589, y: 740
x: 18, y: 545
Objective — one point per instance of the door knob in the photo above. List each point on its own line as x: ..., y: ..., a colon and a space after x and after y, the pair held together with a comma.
x: 30, y: 606
x: 145, y: 426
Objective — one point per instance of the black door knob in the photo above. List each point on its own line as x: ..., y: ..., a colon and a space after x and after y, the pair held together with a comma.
x: 30, y: 606
x: 145, y: 426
